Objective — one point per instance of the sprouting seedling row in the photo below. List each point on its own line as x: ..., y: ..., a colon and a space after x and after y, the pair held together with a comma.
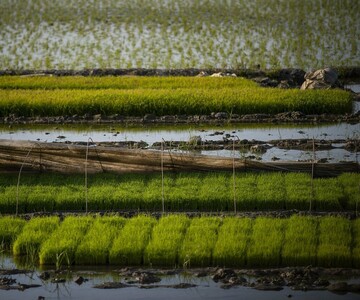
x: 182, y: 192
x: 177, y: 240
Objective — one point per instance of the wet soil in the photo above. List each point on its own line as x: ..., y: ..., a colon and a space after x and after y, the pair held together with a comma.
x: 216, y: 118
x: 351, y: 215
x: 337, y: 280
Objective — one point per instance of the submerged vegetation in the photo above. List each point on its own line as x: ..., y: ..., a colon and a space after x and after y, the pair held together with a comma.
x: 182, y: 192
x: 177, y: 240
x: 160, y: 96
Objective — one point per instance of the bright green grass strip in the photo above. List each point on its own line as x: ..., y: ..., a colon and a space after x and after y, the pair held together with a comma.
x: 328, y: 194
x: 270, y: 191
x: 266, y: 242
x: 34, y: 233
x: 137, y: 102
x: 127, y: 83
x: 199, y: 242
x: 128, y: 247
x: 246, y: 192
x: 334, y: 242
x: 300, y: 243
x: 356, y: 243
x: 10, y: 228
x: 230, y: 248
x: 95, y: 247
x: 167, y: 237
x: 350, y: 183
x: 298, y: 191
x: 60, y: 247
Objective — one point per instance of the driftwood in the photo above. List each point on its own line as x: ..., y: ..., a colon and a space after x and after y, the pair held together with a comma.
x: 68, y: 159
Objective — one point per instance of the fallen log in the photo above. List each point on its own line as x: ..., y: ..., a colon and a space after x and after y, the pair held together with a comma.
x: 69, y: 158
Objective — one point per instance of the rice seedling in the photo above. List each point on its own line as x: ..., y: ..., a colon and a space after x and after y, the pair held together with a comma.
x: 10, y: 228
x: 298, y: 191
x: 334, y: 242
x: 216, y: 33
x: 231, y: 246
x: 128, y: 247
x: 138, y: 102
x: 167, y: 236
x: 246, y: 192
x: 199, y: 242
x: 61, y: 246
x: 215, y: 193
x: 270, y: 191
x: 328, y: 194
x: 34, y: 233
x: 96, y: 244
x: 183, y: 191
x: 300, y: 241
x: 266, y: 242
x: 350, y: 183
x: 356, y: 243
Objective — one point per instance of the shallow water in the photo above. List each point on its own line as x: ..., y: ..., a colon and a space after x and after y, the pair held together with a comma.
x: 152, y: 134
x: 206, y: 288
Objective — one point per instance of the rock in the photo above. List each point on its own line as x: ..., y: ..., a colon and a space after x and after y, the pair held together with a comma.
x: 79, y: 280
x: 266, y: 287
x: 258, y: 148
x: 339, y: 287
x: 97, y: 118
x: 223, y: 274
x: 220, y: 74
x: 321, y: 79
x: 111, y: 285
x: 149, y: 118
x: 195, y: 140
x: 145, y: 278
x: 44, y: 276
x: 354, y: 288
x: 283, y: 85
x: 293, y: 77
x: 266, y: 81
x: 221, y: 115
x: 202, y: 74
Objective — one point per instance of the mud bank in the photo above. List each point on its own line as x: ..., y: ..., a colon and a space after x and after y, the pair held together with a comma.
x: 216, y: 118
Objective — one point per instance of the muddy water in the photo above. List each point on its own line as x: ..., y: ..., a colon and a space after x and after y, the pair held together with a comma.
x: 205, y: 288
x: 153, y: 134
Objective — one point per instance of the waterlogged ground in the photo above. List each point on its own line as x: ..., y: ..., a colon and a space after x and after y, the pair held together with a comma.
x: 72, y: 34
x: 153, y: 135
x: 184, y: 284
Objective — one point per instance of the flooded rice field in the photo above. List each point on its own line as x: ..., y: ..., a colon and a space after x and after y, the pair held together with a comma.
x: 334, y: 142
x: 111, y: 283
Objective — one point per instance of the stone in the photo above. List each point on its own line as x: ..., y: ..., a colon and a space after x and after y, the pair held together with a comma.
x: 321, y: 79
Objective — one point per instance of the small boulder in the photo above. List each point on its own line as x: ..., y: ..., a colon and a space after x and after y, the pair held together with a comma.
x: 321, y: 79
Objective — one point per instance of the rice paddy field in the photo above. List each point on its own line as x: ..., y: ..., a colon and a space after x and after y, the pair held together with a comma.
x: 209, y: 220
x: 46, y: 34
x: 177, y: 240
x: 137, y: 96
x: 205, y: 192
